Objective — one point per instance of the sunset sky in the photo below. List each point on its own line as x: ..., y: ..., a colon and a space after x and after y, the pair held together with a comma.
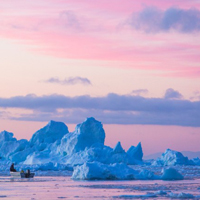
x: 133, y: 65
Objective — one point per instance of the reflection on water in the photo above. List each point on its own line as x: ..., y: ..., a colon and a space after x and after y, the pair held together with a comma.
x: 65, y: 188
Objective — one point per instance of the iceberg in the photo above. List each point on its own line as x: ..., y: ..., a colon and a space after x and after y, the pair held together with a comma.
x: 181, y: 195
x: 196, y: 161
x: 6, y: 136
x: 171, y: 174
x: 118, y: 148
x: 147, y: 175
x: 85, y: 135
x: 54, y: 143
x: 136, y: 152
x: 10, y: 146
x: 171, y: 157
x: 53, y: 147
x: 120, y: 171
x: 52, y: 132
x: 99, y: 171
x: 44, y: 143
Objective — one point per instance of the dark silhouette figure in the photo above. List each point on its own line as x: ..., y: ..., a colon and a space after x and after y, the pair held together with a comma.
x: 12, y: 169
x: 27, y: 175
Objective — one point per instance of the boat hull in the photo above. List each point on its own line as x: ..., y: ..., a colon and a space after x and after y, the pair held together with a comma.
x: 21, y: 175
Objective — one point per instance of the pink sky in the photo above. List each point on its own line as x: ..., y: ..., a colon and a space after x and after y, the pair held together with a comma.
x: 148, y: 49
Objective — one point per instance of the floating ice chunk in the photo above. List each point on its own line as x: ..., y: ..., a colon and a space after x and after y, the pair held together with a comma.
x: 118, y: 148
x: 170, y: 158
x: 85, y: 135
x: 136, y: 152
x: 117, y: 171
x: 171, y: 174
x: 99, y: 171
x: 160, y: 192
x: 181, y: 195
x: 139, y: 196
x: 49, y: 134
x: 147, y: 175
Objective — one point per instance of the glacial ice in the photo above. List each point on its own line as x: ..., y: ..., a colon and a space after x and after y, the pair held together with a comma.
x: 171, y: 174
x: 118, y: 148
x: 136, y: 152
x: 85, y: 135
x: 99, y: 171
x: 52, y: 132
x: 120, y: 171
x: 171, y: 158
x: 181, y: 195
x: 53, y: 147
x: 10, y: 146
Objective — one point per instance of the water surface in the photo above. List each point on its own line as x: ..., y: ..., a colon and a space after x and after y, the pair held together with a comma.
x: 65, y: 188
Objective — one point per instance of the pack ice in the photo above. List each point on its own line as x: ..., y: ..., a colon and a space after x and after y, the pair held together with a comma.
x: 53, y: 147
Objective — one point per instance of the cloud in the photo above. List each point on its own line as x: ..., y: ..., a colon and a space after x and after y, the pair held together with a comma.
x: 111, y: 109
x: 196, y: 96
x: 152, y: 19
x: 69, y: 81
x: 172, y: 94
x: 139, y: 92
x: 69, y: 19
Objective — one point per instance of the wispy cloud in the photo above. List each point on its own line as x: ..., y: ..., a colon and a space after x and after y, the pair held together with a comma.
x: 140, y: 92
x: 69, y: 19
x: 69, y: 81
x: 172, y: 94
x: 113, y: 108
x: 152, y: 19
x: 196, y: 96
x: 90, y: 30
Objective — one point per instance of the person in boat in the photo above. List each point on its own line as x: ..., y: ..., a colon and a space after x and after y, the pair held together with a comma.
x: 27, y: 175
x: 12, y: 168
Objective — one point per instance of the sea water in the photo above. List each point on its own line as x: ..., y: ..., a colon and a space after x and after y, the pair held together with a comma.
x: 58, y: 187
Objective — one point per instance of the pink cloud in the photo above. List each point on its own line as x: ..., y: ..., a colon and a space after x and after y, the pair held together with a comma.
x: 92, y: 30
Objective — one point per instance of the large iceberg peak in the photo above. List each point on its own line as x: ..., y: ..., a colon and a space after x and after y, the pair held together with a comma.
x: 50, y: 133
x: 90, y: 131
x: 136, y: 152
x: 56, y: 126
x: 91, y: 128
x: 85, y: 135
x: 6, y: 136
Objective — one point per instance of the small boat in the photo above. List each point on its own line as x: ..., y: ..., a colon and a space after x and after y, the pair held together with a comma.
x: 22, y: 175
x: 26, y: 175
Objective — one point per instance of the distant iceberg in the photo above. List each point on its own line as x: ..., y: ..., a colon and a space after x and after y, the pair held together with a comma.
x: 171, y: 158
